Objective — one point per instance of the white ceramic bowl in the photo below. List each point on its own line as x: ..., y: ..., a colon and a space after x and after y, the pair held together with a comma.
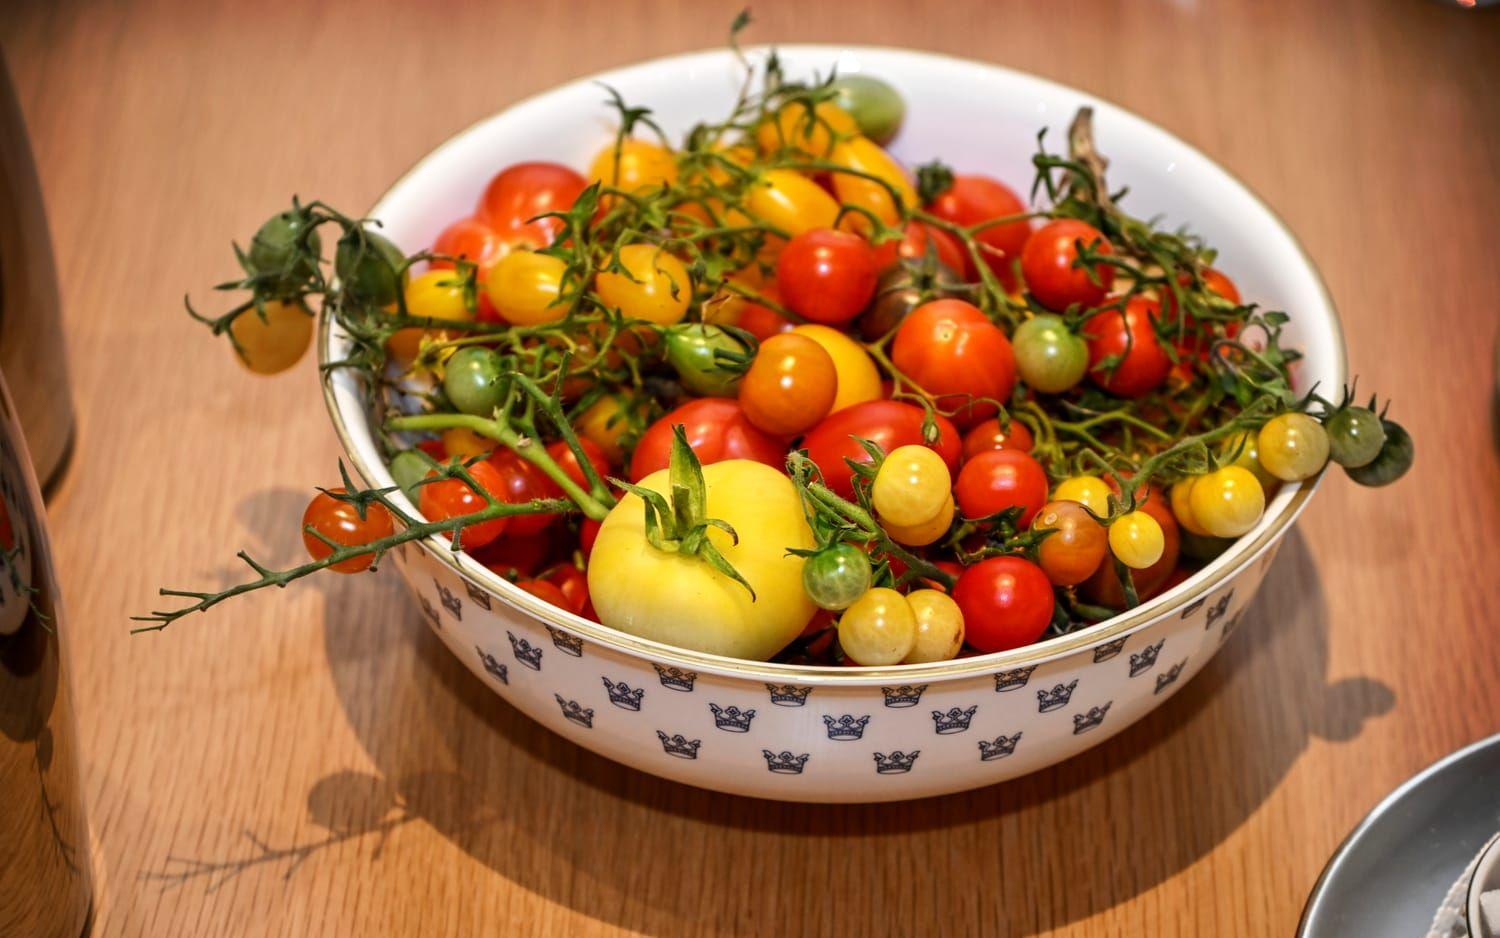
x: 849, y: 734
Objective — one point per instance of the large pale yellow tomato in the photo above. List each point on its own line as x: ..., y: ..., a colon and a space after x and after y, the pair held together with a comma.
x: 791, y: 202
x: 681, y: 600
x: 863, y: 155
x: 859, y: 380
x: 655, y: 287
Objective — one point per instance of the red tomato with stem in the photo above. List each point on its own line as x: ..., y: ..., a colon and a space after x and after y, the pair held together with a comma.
x: 572, y: 583
x: 716, y: 428
x: 588, y: 531
x: 522, y: 481
x: 518, y: 194
x: 566, y: 460
x: 887, y: 424
x: 1049, y: 264
x: 472, y: 240
x: 913, y: 246
x: 1006, y: 601
x: 953, y: 352
x: 336, y: 520
x: 519, y: 556
x: 972, y: 200
x: 989, y: 435
x: 1140, y: 363
x: 1000, y: 479
x: 826, y: 276
x: 453, y: 498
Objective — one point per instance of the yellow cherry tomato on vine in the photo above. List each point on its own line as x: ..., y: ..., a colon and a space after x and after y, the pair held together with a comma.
x: 638, y: 164
x: 878, y: 628
x: 809, y: 130
x: 524, y: 287
x: 912, y: 486
x: 1227, y: 502
x: 1089, y: 491
x: 920, y: 535
x: 940, y: 627
x: 463, y: 443
x: 1136, y: 539
x: 656, y: 286
x: 1181, y: 499
x: 790, y: 201
x: 1245, y: 446
x: 1293, y: 447
x: 790, y: 386
x: 863, y: 155
x: 436, y: 294
x: 858, y: 378
x: 606, y: 422
x: 340, y: 522
x: 276, y: 343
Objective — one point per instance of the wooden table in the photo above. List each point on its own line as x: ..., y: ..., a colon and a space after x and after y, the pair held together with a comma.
x: 314, y: 762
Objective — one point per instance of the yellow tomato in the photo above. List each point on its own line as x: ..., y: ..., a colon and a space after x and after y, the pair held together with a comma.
x: 436, y: 294
x: 863, y: 155
x: 1245, y: 446
x: 920, y: 535
x: 657, y: 288
x: 267, y: 346
x: 1227, y: 502
x: 940, y: 627
x: 912, y: 488
x: 813, y: 131
x: 463, y: 443
x: 1089, y: 491
x: 524, y: 287
x: 606, y: 421
x: 1137, y: 540
x: 879, y: 628
x: 1182, y: 506
x: 1293, y: 447
x: 680, y: 599
x: 638, y: 164
x: 859, y: 381
x: 791, y: 202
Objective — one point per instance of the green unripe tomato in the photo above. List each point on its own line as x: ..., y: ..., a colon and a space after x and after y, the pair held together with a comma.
x: 286, y: 248
x: 472, y: 380
x: 1355, y: 436
x: 370, y: 270
x: 1395, y: 458
x: 875, y: 106
x: 694, y: 351
x: 836, y: 576
x: 408, y: 468
x: 1050, y: 357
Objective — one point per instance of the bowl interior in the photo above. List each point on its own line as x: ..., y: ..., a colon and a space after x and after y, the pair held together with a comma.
x: 975, y: 117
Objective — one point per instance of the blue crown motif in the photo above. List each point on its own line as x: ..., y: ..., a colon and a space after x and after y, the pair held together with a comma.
x: 1108, y: 650
x: 1230, y: 626
x: 788, y: 695
x: 1169, y: 677
x: 526, y: 653
x: 895, y: 763
x: 480, y: 597
x: 1143, y: 660
x: 566, y: 643
x: 1014, y: 679
x: 907, y: 695
x: 429, y: 612
x: 1192, y: 607
x: 846, y: 727
x: 679, y: 745
x: 1057, y: 697
x: 583, y: 716
x: 622, y: 696
x: 954, y: 721
x: 1083, y: 722
x: 1217, y: 610
x: 675, y: 678
x: 450, y: 602
x: 500, y: 672
x: 732, y: 719
x: 784, y: 763
x: 998, y: 748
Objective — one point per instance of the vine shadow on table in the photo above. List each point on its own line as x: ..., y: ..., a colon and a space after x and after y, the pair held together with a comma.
x: 645, y: 854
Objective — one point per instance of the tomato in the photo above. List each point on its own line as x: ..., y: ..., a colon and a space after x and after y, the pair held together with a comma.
x: 790, y: 386
x: 1006, y: 602
x: 1394, y: 459
x: 1137, y: 362
x: 940, y: 627
x: 1090, y: 491
x: 1137, y: 540
x: 371, y: 270
x: 525, y: 288
x: 701, y: 354
x: 879, y: 628
x: 436, y: 294
x: 471, y: 379
x: 1050, y: 357
x: 588, y: 533
x: 463, y: 443
x: 896, y: 295
x: 1049, y: 265
x: 836, y: 576
x: 518, y: 194
x: 472, y: 240
x: 717, y: 429
x: 284, y: 252
x: 790, y: 202
x: 914, y: 243
x: 731, y: 309
x: 453, y: 498
x: 826, y: 276
x: 858, y: 379
x: 885, y: 199
x: 523, y: 481
x: 1226, y: 502
x: 990, y: 435
x: 567, y: 460
x: 608, y: 421
x: 811, y: 131
x: 340, y: 522
x: 1355, y: 436
x: 1182, y: 506
x: 573, y: 583
x: 998, y: 479
x: 923, y: 532
x: 1244, y: 449
x: 1103, y: 588
x: 952, y: 351
x: 655, y: 286
x: 634, y: 165
x: 1293, y: 447
x: 1076, y: 547
x: 876, y: 107
x: 973, y: 200
x: 887, y: 424
x: 273, y: 344
x: 513, y: 556
x: 911, y: 487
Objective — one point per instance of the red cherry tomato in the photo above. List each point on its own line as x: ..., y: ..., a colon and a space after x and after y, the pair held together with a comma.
x: 975, y: 199
x: 453, y: 498
x: 953, y: 351
x: 518, y: 194
x: 951, y: 567
x: 548, y: 592
x: 470, y: 239
x: 990, y: 435
x: 717, y: 429
x: 1143, y: 363
x: 522, y: 481
x: 913, y: 246
x: 336, y: 520
x: 826, y: 276
x: 572, y: 583
x: 1049, y: 265
x: 1191, y: 345
x: 568, y: 462
x: 513, y: 556
x: 1006, y: 601
x: 999, y: 479
x: 888, y: 424
x: 762, y: 321
x: 587, y: 532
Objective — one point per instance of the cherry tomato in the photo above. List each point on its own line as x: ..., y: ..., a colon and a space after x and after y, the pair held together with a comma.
x: 1244, y: 447
x: 972, y: 200
x: 716, y: 429
x: 524, y: 287
x: 284, y: 251
x: 1226, y: 502
x: 1089, y: 491
x: 472, y: 240
x: 340, y: 522
x: 588, y: 531
x: 435, y: 294
x: 887, y: 424
x: 858, y: 379
x: 370, y: 268
x: 1103, y: 588
x: 463, y: 443
x: 655, y: 286
x: 546, y: 592
x: 940, y: 627
x: 567, y: 461
x: 990, y: 435
x: 914, y: 243
x: 1137, y: 362
x: 634, y: 165
x: 276, y: 343
x: 879, y: 628
x: 1050, y: 357
x: 1049, y: 264
x: 512, y: 556
x: 608, y: 421
x: 1392, y: 462
x: 453, y: 498
x: 517, y: 195
x: 790, y: 202
x: 1182, y: 506
x: 572, y: 583
x: 471, y: 379
x: 826, y: 276
x: 1293, y: 447
x: 1137, y: 540
x: 951, y: 350
x: 924, y: 532
x: 876, y: 107
x: 836, y: 576
x: 790, y: 386
x: 523, y: 481
x: 809, y: 130
x: 1006, y: 601
x: 911, y: 487
x: 761, y: 321
x: 998, y: 479
x: 1074, y: 551
x: 1355, y: 436
x: 862, y: 155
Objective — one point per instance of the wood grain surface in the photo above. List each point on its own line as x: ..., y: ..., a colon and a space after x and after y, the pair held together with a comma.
x: 314, y: 763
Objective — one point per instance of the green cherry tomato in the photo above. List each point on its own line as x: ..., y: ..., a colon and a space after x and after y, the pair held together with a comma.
x: 286, y: 248
x: 1050, y: 357
x: 369, y: 268
x: 704, y: 357
x: 1355, y: 436
x: 1395, y: 458
x: 836, y: 576
x: 472, y: 380
x: 408, y: 468
x: 875, y: 106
